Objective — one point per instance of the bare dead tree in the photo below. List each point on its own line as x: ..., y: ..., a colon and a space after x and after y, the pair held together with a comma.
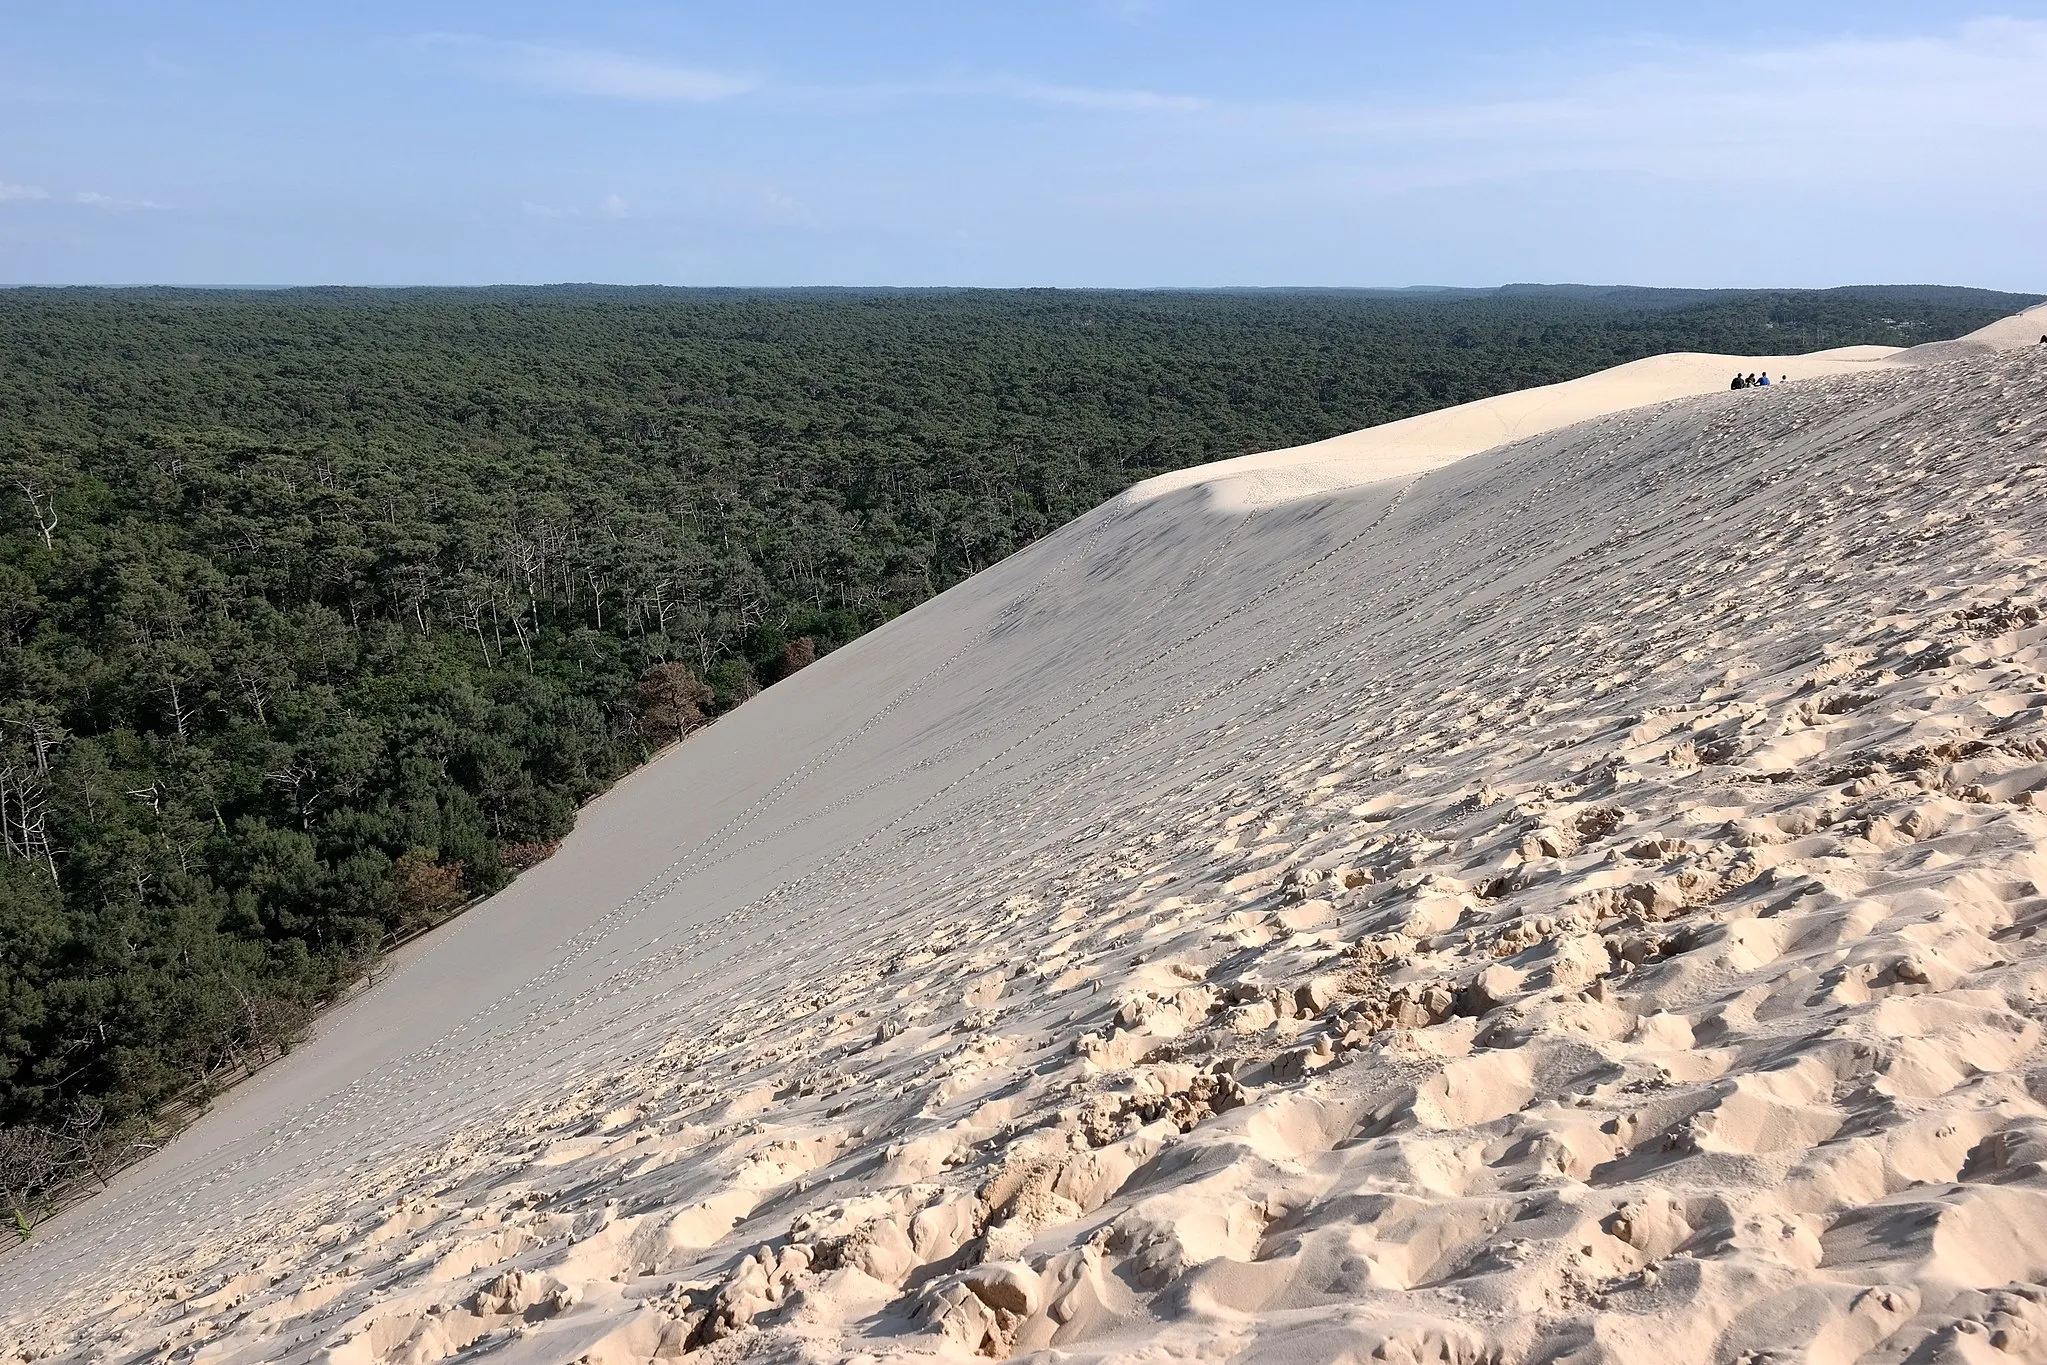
x: 25, y: 816
x: 43, y: 503
x: 181, y: 713
x: 39, y: 727
x: 472, y: 616
x: 420, y: 578
x: 526, y: 556
x: 33, y: 1165
x: 27, y: 738
x: 302, y: 780
x: 255, y: 691
x: 272, y: 1024
x: 525, y: 646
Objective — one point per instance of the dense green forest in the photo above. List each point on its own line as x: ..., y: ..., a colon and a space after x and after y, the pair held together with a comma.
x: 321, y: 611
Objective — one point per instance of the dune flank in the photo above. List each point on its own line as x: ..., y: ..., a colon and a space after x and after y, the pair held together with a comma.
x: 1579, y: 901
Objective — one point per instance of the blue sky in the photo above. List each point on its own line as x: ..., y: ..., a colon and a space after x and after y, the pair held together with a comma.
x: 1062, y: 142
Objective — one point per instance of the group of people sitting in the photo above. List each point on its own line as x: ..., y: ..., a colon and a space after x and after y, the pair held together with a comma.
x: 1751, y: 381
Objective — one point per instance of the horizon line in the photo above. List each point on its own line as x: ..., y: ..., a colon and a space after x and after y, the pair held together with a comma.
x: 1016, y: 288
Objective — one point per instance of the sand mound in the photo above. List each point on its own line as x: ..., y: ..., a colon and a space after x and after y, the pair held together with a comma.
x: 1581, y: 902
x: 2006, y: 334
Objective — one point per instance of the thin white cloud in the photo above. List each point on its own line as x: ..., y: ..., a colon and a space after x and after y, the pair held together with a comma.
x: 1083, y: 97
x: 1956, y: 110
x: 614, y: 75
x: 591, y: 71
x: 10, y: 193
x: 1001, y: 87
x: 1887, y: 109
x: 701, y: 203
x: 610, y: 206
x: 107, y: 201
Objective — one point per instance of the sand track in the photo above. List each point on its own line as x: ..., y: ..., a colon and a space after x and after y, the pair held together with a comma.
x: 1577, y: 901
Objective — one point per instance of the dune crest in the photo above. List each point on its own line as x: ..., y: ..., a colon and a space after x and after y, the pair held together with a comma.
x: 1415, y: 445
x: 1580, y: 901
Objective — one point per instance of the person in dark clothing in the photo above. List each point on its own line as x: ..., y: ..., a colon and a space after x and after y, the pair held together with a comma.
x: 1737, y: 384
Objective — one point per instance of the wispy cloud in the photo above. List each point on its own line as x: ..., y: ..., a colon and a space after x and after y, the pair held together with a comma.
x: 10, y: 193
x: 1849, y: 120
x: 610, y: 206
x: 1017, y: 89
x: 591, y: 71
x: 733, y: 202
x: 108, y: 201
x: 605, y: 74
x: 1906, y: 110
x: 1080, y: 96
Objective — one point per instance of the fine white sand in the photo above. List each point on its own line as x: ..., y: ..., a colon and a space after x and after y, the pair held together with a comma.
x: 1576, y: 902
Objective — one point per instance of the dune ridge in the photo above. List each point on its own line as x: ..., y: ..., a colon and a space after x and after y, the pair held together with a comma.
x: 1433, y: 439
x: 1577, y: 900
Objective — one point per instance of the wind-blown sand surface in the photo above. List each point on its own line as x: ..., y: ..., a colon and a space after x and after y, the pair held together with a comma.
x: 1576, y: 902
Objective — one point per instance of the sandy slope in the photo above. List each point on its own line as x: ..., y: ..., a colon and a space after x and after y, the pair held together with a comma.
x: 1574, y: 902
x: 2018, y: 331
x: 1404, y: 448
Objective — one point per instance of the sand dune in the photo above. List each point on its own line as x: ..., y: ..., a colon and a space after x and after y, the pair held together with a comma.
x: 2016, y: 332
x: 1576, y: 902
x: 1412, y: 445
